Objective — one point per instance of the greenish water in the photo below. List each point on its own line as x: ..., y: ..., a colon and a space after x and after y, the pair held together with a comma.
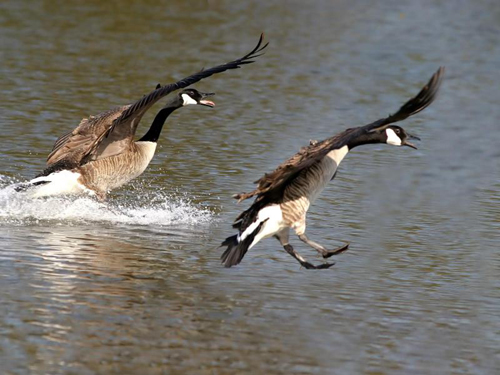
x: 135, y: 285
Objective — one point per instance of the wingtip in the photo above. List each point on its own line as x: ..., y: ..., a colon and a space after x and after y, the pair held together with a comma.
x: 261, y: 38
x: 438, y: 76
x: 439, y: 73
x: 418, y: 103
x: 258, y: 48
x: 435, y: 83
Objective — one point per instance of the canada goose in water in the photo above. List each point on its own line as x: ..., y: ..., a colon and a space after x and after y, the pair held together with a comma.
x: 101, y: 154
x: 284, y: 196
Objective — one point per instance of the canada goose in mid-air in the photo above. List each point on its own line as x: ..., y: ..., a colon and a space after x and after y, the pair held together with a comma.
x: 101, y: 154
x: 284, y: 196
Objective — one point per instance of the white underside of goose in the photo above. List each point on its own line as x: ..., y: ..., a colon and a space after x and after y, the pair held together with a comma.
x: 58, y: 183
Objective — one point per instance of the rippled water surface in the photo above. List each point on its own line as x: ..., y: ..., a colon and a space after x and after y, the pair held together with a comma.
x: 134, y: 285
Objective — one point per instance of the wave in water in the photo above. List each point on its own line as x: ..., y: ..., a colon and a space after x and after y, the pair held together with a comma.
x: 153, y: 208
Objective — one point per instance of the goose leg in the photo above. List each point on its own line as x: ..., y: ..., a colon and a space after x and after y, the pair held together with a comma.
x: 289, y: 249
x: 283, y: 237
x: 322, y: 250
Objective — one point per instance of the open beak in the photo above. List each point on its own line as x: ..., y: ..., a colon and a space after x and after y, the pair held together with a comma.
x: 205, y: 102
x: 410, y: 136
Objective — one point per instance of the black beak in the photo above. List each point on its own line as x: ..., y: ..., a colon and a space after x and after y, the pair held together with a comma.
x: 203, y: 101
x: 410, y: 136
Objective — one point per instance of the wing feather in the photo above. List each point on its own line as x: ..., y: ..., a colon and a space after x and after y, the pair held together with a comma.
x: 71, y: 147
x: 137, y: 110
x: 413, y: 106
x: 271, y: 183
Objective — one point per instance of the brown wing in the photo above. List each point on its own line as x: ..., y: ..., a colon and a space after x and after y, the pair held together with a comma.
x: 111, y: 132
x: 62, y: 139
x: 307, y: 156
x: 73, y: 146
x: 271, y: 183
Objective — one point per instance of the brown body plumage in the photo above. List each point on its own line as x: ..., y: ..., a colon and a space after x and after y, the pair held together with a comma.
x: 104, y: 175
x: 301, y: 193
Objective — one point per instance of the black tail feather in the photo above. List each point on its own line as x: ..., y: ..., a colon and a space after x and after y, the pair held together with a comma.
x: 26, y: 185
x: 236, y: 250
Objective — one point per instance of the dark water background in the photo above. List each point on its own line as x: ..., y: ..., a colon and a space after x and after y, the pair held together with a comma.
x: 134, y: 286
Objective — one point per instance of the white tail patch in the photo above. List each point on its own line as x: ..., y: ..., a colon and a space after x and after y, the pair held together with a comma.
x: 248, y: 231
x: 58, y: 183
x: 273, y: 219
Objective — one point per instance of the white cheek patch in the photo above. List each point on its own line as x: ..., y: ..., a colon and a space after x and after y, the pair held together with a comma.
x: 392, y: 138
x: 188, y: 100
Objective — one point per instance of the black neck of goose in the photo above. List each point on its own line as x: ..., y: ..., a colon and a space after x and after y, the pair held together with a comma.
x: 154, y: 131
x: 361, y: 137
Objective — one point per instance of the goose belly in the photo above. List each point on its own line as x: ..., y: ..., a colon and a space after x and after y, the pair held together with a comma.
x: 306, y: 188
x: 115, y: 171
x: 326, y: 170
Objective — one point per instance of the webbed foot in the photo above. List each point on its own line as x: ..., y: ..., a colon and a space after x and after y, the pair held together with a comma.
x: 338, y: 250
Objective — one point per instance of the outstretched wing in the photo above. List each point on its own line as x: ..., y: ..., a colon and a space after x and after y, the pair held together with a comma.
x: 110, y: 132
x: 270, y: 185
x: 137, y: 110
x: 272, y: 182
x: 420, y: 102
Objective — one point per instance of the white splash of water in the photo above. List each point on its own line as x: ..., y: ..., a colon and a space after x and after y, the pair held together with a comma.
x: 153, y: 208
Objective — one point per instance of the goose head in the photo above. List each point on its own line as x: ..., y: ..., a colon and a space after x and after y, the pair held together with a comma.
x: 193, y: 96
x: 397, y: 136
